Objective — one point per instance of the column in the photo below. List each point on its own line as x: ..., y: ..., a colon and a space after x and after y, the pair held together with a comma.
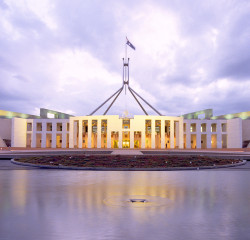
x: 99, y: 133
x: 208, y: 135
x: 219, y: 136
x: 71, y: 132
x: 75, y: 130
x: 43, y: 134
x: 33, y: 139
x: 53, y: 144
x: 108, y: 135
x: 64, y: 134
x: 80, y: 134
x: 153, y: 133
x: 120, y: 139
x: 188, y: 135
x: 176, y: 128
x: 198, y: 135
x: 171, y: 133
x: 143, y: 139
x: 181, y: 134
x: 162, y: 134
x: 132, y: 134
x: 89, y: 132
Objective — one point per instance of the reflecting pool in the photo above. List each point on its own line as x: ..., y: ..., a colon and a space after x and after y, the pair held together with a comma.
x: 57, y: 204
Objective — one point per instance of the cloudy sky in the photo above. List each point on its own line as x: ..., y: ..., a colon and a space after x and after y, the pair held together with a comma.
x: 66, y: 55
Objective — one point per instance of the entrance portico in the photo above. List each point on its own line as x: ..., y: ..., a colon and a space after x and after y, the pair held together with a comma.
x: 111, y: 131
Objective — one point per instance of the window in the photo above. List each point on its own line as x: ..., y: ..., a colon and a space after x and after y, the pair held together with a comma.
x: 148, y: 126
x: 29, y: 126
x: 158, y: 126
x: 104, y: 126
x: 223, y: 127
x: 39, y: 126
x: 213, y: 127
x: 49, y: 126
x: 203, y: 127
x: 193, y: 127
x: 126, y: 123
x: 94, y: 126
x: 59, y: 127
x: 50, y: 115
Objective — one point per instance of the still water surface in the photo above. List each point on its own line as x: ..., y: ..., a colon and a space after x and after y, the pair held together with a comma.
x: 57, y: 204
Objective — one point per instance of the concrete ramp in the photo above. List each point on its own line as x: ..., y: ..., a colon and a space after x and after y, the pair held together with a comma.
x: 126, y: 152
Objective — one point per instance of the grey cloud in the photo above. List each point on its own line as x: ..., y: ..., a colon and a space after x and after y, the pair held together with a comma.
x: 92, y: 26
x: 21, y: 78
x: 3, y: 5
x: 5, y: 64
x: 234, y: 55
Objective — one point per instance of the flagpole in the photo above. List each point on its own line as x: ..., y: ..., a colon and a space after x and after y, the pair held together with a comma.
x: 125, y: 62
x: 125, y: 50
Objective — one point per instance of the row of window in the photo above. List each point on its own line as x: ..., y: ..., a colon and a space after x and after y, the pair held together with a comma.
x: 126, y: 125
x: 49, y: 127
x: 204, y: 128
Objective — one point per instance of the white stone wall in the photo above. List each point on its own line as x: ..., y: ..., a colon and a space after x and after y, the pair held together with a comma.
x: 236, y: 131
x: 245, y: 130
x: 5, y: 128
x: 44, y: 131
x: 218, y: 133
x: 5, y: 131
x: 18, y: 132
x: 234, y: 127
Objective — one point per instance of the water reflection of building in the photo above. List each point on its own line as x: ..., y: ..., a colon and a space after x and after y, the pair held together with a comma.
x: 102, y: 185
x: 19, y: 189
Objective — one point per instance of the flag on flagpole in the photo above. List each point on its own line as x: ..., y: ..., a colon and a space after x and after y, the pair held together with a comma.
x: 130, y: 44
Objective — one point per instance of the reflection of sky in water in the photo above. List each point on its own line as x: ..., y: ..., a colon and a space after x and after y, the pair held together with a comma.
x: 51, y: 204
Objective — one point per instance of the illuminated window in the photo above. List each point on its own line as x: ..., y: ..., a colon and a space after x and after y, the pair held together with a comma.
x: 158, y: 126
x: 193, y: 127
x: 50, y: 115
x: 94, y: 126
x: 148, y: 126
x: 203, y: 127
x: 126, y: 123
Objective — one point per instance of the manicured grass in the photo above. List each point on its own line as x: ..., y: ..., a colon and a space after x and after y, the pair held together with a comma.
x: 127, y: 161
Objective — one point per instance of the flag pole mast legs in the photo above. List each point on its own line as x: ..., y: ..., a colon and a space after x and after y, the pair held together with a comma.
x: 119, y: 90
x: 125, y: 84
x: 113, y: 102
x: 129, y: 88
x: 145, y: 101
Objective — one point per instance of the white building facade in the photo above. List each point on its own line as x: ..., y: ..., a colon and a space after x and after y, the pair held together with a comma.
x: 140, y: 132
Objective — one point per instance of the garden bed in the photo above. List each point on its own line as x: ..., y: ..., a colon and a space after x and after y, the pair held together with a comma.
x: 127, y: 161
